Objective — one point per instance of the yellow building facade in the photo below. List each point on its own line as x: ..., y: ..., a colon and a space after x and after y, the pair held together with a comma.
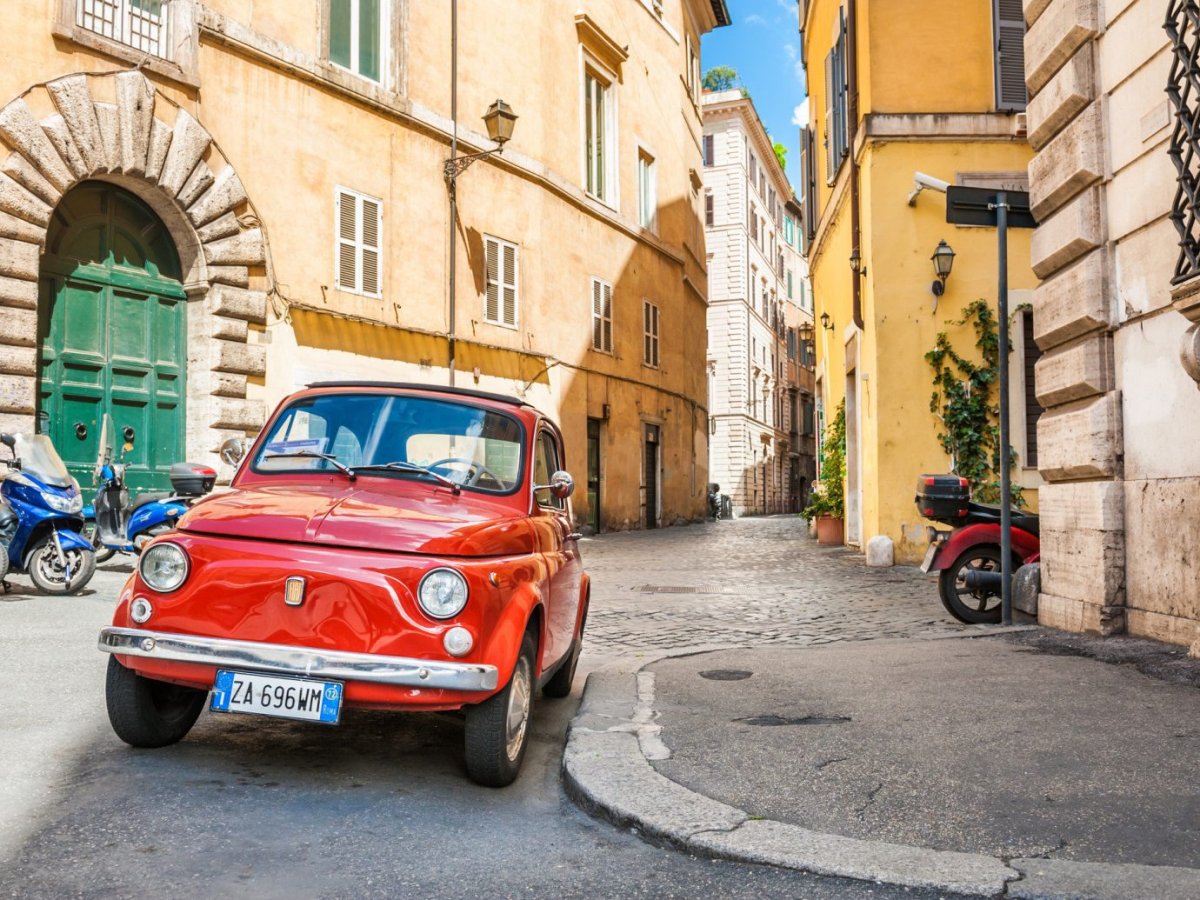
x: 283, y: 161
x: 904, y: 98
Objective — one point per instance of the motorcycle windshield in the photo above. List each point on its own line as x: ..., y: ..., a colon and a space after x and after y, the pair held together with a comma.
x: 39, y: 458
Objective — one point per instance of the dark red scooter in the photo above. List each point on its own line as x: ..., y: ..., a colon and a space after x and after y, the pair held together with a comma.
x: 968, y: 558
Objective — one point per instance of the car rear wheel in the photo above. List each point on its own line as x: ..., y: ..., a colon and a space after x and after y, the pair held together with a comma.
x: 148, y: 713
x: 497, y: 730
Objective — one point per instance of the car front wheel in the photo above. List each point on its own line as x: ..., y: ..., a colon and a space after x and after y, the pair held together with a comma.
x: 148, y: 713
x: 497, y: 730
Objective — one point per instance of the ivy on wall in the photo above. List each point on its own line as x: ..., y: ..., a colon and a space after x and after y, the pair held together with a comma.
x: 830, y: 499
x: 963, y: 404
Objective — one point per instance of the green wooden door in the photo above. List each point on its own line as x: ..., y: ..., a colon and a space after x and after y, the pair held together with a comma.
x: 113, y: 335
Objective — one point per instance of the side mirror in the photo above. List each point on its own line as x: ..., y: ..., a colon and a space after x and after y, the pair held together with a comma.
x: 233, y: 451
x: 8, y: 441
x: 562, y: 485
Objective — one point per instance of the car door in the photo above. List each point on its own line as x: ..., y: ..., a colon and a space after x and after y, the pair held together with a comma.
x: 560, y: 547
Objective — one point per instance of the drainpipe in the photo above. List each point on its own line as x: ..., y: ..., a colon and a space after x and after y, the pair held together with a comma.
x: 852, y: 115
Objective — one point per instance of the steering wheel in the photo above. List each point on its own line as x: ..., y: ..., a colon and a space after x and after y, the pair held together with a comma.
x: 479, y: 470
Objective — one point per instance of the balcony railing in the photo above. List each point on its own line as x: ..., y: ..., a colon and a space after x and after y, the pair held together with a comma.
x: 140, y: 24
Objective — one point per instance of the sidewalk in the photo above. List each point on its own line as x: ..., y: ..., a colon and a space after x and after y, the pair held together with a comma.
x: 1010, y: 764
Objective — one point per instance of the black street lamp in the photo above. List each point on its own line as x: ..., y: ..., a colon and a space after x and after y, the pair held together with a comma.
x: 500, y: 120
x: 943, y: 262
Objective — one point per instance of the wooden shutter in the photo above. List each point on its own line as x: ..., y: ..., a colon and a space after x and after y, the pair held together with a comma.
x: 811, y: 210
x: 608, y: 340
x: 1010, y: 54
x: 510, y: 284
x: 347, y: 241
x: 830, y: 102
x: 372, y: 215
x: 491, y: 300
x: 1033, y: 409
x: 708, y: 149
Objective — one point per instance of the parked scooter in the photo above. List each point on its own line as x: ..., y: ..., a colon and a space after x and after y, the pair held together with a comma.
x: 45, y: 499
x: 118, y: 526
x: 968, y: 558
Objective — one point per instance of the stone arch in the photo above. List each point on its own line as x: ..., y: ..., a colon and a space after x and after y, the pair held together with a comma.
x: 118, y: 128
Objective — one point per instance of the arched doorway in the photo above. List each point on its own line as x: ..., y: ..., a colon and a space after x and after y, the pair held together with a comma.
x: 112, y: 334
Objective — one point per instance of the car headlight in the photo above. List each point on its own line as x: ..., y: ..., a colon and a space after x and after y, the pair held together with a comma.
x: 442, y: 593
x: 71, y: 504
x: 164, y: 567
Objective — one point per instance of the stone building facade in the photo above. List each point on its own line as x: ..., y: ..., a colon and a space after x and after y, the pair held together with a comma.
x: 751, y: 264
x: 206, y: 204
x: 1113, y: 187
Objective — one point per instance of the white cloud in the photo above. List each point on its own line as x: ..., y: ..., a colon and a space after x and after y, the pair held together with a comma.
x: 792, y: 8
x: 754, y: 19
x: 790, y: 50
x: 800, y: 113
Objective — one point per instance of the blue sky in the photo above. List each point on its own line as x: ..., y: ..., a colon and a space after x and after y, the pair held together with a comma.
x: 763, y: 44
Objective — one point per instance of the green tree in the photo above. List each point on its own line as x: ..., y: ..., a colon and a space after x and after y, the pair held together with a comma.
x: 963, y: 403
x: 781, y: 155
x: 830, y: 500
x: 720, y: 78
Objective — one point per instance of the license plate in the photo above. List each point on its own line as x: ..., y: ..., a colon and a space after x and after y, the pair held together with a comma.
x: 929, y: 555
x: 277, y: 695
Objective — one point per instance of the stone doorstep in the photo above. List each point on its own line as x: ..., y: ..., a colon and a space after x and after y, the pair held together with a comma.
x: 607, y: 773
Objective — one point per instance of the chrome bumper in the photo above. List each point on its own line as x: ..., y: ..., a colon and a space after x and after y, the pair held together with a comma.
x: 307, y: 662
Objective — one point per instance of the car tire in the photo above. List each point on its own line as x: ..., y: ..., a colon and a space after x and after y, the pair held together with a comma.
x: 43, y: 568
x: 148, y: 713
x: 497, y: 730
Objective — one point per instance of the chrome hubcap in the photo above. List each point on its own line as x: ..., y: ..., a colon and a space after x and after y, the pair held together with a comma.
x: 518, y: 710
x: 52, y: 570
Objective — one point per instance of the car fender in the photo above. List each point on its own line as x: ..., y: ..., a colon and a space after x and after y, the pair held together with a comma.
x: 504, y: 642
x: 1024, y: 544
x: 585, y: 597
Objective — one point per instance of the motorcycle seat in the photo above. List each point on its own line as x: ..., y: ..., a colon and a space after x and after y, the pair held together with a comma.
x: 986, y: 512
x: 149, y: 497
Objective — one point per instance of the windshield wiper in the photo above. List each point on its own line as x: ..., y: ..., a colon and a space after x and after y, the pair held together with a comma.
x: 402, y: 466
x: 313, y: 454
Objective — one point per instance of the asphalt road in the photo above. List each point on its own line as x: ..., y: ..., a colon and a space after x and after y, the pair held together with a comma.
x: 247, y: 806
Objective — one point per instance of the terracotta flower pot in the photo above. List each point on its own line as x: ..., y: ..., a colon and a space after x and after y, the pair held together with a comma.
x: 830, y: 530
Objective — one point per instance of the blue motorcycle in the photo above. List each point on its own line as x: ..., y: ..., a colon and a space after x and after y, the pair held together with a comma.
x: 117, y: 526
x: 47, y: 510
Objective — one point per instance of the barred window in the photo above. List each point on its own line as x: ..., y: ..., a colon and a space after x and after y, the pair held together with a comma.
x: 140, y: 24
x: 1183, y: 93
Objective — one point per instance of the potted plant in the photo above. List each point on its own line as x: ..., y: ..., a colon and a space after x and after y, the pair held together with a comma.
x: 828, y: 506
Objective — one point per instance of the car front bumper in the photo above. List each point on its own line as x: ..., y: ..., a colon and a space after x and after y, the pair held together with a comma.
x: 306, y: 662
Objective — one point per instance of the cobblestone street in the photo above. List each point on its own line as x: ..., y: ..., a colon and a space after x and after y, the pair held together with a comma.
x: 744, y: 582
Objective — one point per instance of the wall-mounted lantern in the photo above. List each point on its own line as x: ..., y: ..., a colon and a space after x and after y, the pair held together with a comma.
x: 943, y: 262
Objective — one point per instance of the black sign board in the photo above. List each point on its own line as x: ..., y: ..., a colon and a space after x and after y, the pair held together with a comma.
x: 977, y: 206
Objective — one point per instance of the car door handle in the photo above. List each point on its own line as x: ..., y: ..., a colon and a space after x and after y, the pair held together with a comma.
x: 574, y: 535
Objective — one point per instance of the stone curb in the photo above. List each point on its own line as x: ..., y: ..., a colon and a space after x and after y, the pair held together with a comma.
x: 606, y: 771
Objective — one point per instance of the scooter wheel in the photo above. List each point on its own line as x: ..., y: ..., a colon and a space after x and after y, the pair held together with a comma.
x: 50, y: 576
x: 975, y: 607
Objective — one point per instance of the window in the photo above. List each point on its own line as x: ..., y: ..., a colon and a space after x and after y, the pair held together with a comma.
x: 1009, y: 23
x: 602, y: 316
x: 357, y: 35
x: 789, y: 277
x: 791, y: 343
x: 753, y: 225
x: 808, y: 177
x: 598, y: 135
x: 141, y: 24
x: 647, y: 190
x: 1183, y: 90
x: 500, y: 293
x: 708, y: 149
x: 693, y: 71
x: 1033, y: 409
x: 359, y: 261
x: 753, y: 171
x: 709, y: 217
x: 836, y: 141
x: 650, y: 323
x: 545, y: 464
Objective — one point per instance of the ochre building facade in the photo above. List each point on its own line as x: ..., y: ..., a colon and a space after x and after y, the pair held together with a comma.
x: 205, y: 205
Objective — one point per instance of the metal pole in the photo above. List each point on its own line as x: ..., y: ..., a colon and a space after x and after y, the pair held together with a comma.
x: 1005, y: 487
x: 453, y: 173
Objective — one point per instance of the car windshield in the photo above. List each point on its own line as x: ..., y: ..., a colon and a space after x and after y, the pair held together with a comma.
x: 395, y: 436
x: 40, y: 459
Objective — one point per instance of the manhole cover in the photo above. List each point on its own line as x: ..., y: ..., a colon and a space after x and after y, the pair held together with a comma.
x: 726, y: 674
x: 795, y: 720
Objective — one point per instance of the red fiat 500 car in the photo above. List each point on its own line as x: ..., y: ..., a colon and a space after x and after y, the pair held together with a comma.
x: 384, y: 545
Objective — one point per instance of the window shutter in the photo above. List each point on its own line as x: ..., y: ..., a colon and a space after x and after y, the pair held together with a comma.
x: 347, y: 239
x: 830, y: 102
x: 810, y: 207
x: 597, y: 314
x: 708, y: 149
x: 608, y: 342
x: 491, y: 302
x: 1010, y: 54
x: 371, y: 220
x: 510, y: 284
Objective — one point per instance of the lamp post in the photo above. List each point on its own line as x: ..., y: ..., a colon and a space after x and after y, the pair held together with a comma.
x: 499, y: 120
